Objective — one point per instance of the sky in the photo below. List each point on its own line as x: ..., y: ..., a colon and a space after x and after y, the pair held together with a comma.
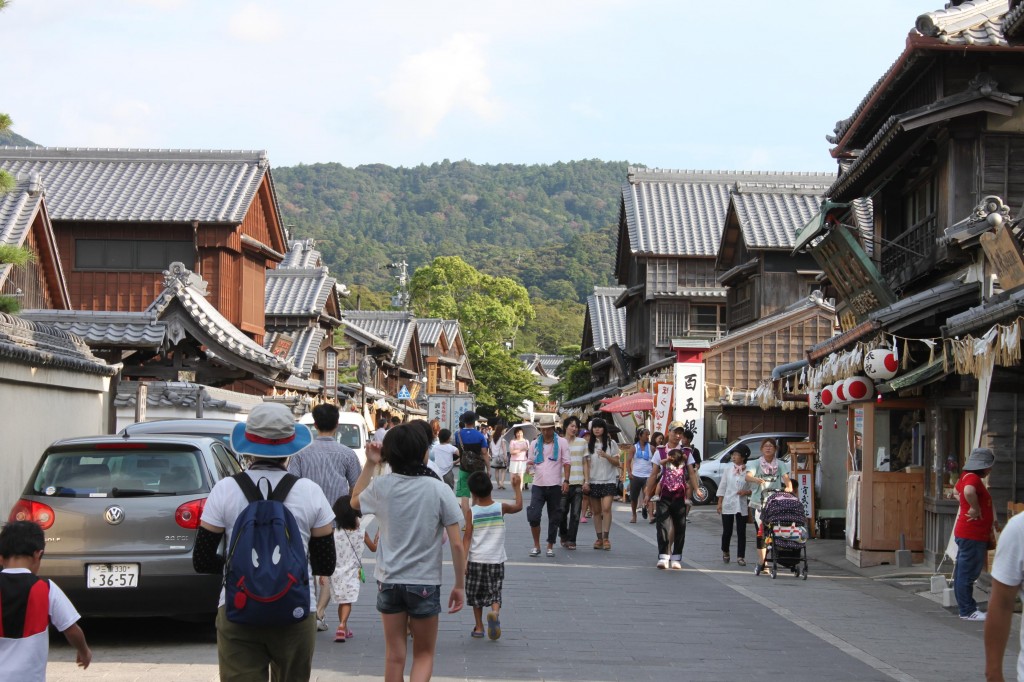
x: 741, y: 85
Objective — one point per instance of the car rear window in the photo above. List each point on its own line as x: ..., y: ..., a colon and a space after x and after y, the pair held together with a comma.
x: 348, y: 434
x: 121, y: 473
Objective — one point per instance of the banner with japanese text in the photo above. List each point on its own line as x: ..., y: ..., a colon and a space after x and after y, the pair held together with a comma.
x: 662, y: 406
x: 689, y: 399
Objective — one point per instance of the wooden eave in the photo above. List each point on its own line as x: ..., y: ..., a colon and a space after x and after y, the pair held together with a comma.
x: 739, y: 272
x: 53, y: 270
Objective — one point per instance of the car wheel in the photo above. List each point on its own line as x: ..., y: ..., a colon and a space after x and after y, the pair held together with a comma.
x: 705, y: 494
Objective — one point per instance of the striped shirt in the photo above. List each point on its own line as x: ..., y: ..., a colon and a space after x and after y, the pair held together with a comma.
x: 488, y: 545
x: 332, y: 466
x: 577, y: 451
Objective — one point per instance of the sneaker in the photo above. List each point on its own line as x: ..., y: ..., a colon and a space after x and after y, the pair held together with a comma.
x: 662, y: 564
x: 676, y: 566
x: 321, y: 624
x: 976, y: 616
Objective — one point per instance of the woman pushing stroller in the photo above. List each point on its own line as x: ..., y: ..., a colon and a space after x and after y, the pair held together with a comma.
x: 766, y: 473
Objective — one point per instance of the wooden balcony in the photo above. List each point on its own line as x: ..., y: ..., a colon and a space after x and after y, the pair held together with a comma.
x: 910, y: 253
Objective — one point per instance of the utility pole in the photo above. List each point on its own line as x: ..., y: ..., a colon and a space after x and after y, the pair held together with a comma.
x: 400, y: 299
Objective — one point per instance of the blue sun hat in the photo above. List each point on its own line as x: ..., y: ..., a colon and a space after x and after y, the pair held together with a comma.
x: 271, y: 432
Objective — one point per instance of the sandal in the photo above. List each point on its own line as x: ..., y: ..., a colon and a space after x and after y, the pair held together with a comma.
x: 741, y: 562
x: 535, y: 552
x: 571, y: 546
x: 493, y: 626
x: 551, y: 552
x: 476, y: 634
x: 340, y: 635
x: 599, y: 544
x: 606, y: 545
x: 726, y: 557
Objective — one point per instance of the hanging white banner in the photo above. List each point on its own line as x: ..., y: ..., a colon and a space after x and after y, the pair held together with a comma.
x: 662, y: 406
x: 689, y: 399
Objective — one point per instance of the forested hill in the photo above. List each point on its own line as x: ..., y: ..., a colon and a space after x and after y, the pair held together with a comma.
x: 551, y: 227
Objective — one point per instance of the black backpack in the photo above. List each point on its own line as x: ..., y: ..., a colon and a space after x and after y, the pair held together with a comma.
x: 471, y: 458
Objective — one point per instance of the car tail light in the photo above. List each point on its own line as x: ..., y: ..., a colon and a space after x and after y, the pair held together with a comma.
x: 27, y: 510
x: 188, y: 514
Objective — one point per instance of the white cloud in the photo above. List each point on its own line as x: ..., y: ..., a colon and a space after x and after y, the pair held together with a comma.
x: 429, y: 86
x: 256, y: 24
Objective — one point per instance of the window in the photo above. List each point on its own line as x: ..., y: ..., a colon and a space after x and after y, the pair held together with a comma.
x: 331, y: 381
x: 920, y: 203
x: 670, y: 322
x: 665, y: 276
x: 127, y: 254
x: 704, y: 318
x: 332, y: 359
x: 744, y: 291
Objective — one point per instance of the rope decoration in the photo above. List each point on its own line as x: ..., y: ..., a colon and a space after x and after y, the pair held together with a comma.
x: 971, y: 355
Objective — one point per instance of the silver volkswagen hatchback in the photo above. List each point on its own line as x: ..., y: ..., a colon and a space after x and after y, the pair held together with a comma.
x: 120, y: 515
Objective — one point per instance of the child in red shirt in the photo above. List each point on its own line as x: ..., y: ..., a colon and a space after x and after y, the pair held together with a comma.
x: 973, y: 531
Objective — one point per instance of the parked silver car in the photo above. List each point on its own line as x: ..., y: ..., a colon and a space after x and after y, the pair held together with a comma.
x: 710, y: 469
x: 120, y: 515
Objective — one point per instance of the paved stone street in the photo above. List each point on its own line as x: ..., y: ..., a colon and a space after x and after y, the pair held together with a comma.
x: 592, y: 615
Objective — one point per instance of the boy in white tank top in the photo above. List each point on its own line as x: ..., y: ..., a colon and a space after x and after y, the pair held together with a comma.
x: 484, y: 542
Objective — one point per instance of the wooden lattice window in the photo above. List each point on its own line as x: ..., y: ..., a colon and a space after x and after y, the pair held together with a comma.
x: 670, y: 322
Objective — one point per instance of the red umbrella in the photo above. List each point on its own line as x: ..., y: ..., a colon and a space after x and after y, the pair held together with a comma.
x: 638, y: 402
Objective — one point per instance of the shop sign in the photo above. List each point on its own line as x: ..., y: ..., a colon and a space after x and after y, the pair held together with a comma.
x: 851, y: 271
x: 662, y: 406
x: 689, y: 399
x: 1004, y: 254
x: 804, y: 491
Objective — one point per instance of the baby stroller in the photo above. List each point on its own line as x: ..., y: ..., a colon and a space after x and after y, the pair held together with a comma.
x: 784, y: 529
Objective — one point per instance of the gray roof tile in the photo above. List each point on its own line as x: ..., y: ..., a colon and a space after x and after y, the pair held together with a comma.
x: 98, y: 328
x: 607, y: 323
x: 178, y: 286
x: 297, y: 291
x: 682, y: 213
x: 771, y: 218
x: 302, y: 254
x: 185, y: 395
x: 304, y: 349
x: 396, y: 327
x: 143, y: 185
x: 430, y: 330
x: 1013, y: 22
x: 40, y: 345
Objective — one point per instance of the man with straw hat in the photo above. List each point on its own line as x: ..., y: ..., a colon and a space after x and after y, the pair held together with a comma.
x: 267, y: 439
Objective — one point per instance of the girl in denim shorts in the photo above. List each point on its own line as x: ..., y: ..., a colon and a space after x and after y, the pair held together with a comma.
x: 414, y: 510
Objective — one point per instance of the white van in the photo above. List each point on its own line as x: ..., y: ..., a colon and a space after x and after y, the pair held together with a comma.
x: 351, y: 432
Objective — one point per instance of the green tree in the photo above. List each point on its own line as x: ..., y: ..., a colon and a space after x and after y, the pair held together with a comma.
x: 557, y: 324
x: 575, y: 381
x: 489, y: 309
x: 503, y: 384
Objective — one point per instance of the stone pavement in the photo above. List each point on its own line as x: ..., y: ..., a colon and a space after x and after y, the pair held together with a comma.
x: 597, y: 616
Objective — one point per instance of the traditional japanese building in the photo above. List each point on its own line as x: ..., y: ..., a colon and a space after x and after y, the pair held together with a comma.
x: 604, y: 337
x: 403, y: 368
x: 25, y: 223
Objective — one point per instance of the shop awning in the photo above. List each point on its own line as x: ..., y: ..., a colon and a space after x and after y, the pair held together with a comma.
x: 638, y: 402
x: 919, y: 376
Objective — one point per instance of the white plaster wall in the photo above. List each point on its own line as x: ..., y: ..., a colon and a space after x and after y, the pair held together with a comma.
x: 39, y: 406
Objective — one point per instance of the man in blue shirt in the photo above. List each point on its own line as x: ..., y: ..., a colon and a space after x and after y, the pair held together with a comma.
x: 473, y: 455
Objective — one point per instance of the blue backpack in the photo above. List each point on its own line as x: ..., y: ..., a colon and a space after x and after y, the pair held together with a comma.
x: 267, y: 577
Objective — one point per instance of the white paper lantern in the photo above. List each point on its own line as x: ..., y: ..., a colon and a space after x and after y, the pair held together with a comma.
x: 840, y: 390
x: 828, y: 398
x: 881, y: 364
x: 859, y: 388
x: 815, y: 402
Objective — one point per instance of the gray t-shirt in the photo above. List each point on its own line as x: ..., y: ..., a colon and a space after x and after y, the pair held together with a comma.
x: 413, y: 512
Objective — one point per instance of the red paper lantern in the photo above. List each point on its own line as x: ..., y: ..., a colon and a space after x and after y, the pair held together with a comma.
x: 840, y: 389
x: 881, y: 364
x: 828, y: 398
x: 815, y: 402
x: 858, y: 388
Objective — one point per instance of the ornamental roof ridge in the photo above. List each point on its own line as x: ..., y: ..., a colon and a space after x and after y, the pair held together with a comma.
x: 133, y: 153
x: 637, y: 174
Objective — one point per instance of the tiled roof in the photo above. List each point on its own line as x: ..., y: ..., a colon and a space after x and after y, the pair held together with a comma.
x: 770, y: 218
x: 396, y: 327
x: 304, y: 349
x: 1013, y: 22
x: 99, y: 328
x: 430, y: 330
x: 975, y: 22
x: 864, y: 220
x: 39, y: 345
x: 972, y: 24
x: 302, y: 254
x: 297, y: 291
x: 184, y: 395
x: 549, y: 363
x: 180, y: 285
x: 607, y: 323
x: 143, y: 185
x: 681, y: 213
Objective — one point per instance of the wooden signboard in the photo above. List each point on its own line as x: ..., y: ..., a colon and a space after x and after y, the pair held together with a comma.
x: 1004, y: 254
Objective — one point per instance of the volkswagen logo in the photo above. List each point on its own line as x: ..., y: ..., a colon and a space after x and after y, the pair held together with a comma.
x: 114, y: 515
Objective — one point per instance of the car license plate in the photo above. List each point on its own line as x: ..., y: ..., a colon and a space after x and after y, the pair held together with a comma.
x: 112, y: 575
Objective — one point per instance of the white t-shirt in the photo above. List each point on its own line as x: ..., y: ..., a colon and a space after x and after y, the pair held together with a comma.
x: 601, y: 470
x: 378, y: 435
x: 1008, y: 568
x: 412, y: 513
x: 306, y: 502
x: 444, y: 456
x: 642, y: 467
x: 24, y: 659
